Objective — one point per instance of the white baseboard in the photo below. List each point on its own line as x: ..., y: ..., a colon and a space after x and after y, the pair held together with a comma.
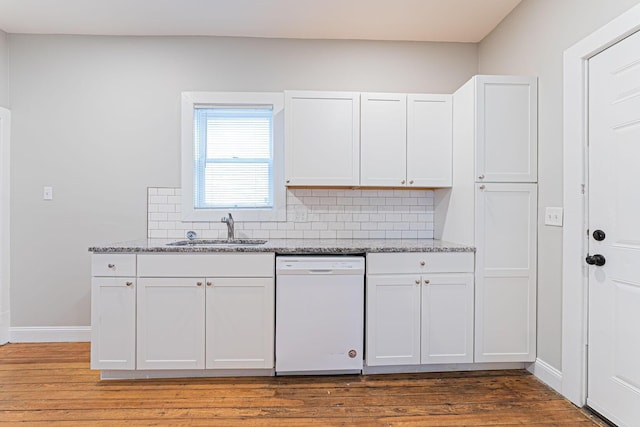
x: 50, y: 334
x: 547, y: 374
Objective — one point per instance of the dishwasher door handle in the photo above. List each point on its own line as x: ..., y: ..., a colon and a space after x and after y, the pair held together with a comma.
x: 320, y: 271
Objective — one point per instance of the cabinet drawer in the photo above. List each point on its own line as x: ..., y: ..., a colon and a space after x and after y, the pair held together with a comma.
x: 113, y: 265
x: 420, y: 262
x: 207, y: 265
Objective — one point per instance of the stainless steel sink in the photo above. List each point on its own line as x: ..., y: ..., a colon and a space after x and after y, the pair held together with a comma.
x: 217, y: 242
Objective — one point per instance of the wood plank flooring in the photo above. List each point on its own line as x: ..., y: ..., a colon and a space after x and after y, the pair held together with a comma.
x: 52, y: 385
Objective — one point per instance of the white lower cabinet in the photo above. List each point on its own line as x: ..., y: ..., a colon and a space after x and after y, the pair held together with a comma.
x: 240, y: 323
x: 113, y: 311
x: 505, y: 235
x: 417, y: 314
x: 113, y: 324
x: 171, y: 323
x: 205, y: 323
x: 183, y: 311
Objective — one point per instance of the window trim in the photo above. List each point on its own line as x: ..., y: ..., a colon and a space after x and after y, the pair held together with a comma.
x: 192, y: 99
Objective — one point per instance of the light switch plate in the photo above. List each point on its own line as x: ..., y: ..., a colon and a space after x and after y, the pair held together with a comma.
x: 47, y: 193
x: 553, y: 216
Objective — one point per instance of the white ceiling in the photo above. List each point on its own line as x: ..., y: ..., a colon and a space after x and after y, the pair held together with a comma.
x: 417, y: 20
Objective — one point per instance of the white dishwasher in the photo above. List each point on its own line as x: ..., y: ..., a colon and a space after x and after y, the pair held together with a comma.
x: 319, y: 314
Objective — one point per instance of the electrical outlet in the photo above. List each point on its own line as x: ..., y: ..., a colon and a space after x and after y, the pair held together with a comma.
x: 300, y: 216
x: 553, y: 216
x: 47, y: 193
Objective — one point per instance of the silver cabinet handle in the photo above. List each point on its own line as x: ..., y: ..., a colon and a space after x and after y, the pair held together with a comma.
x: 402, y: 182
x: 417, y: 282
x: 411, y: 182
x: 209, y: 283
x: 288, y: 181
x: 426, y: 282
x: 129, y: 283
x: 111, y: 266
x: 198, y: 283
x: 481, y: 177
x: 422, y: 263
x: 482, y: 187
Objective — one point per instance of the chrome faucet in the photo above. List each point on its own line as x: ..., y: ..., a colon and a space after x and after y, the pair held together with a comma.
x: 229, y: 221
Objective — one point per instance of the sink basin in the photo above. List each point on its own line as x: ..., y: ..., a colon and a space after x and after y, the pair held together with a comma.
x: 217, y: 242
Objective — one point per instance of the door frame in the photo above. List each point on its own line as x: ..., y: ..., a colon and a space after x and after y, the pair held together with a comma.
x: 575, y: 191
x: 5, y: 126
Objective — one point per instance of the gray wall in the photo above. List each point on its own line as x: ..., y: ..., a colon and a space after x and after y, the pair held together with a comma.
x: 531, y: 40
x: 97, y: 118
x: 4, y: 69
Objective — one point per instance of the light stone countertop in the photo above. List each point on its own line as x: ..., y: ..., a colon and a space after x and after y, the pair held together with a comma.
x: 292, y: 246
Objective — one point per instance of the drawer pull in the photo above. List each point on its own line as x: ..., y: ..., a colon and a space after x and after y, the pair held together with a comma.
x: 422, y: 263
x: 426, y: 282
x: 129, y: 283
x: 198, y: 283
x: 209, y: 283
x: 417, y: 282
x: 111, y: 266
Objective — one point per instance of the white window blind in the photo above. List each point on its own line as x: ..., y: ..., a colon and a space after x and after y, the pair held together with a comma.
x: 233, y: 157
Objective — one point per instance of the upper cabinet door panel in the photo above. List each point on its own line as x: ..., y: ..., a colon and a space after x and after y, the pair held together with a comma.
x: 383, y: 139
x: 322, y: 135
x: 429, y: 140
x: 507, y: 129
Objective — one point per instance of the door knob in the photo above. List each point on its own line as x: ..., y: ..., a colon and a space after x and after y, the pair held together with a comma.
x: 596, y: 259
x: 599, y: 235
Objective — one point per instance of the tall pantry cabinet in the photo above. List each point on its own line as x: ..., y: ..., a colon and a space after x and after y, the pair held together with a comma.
x: 493, y: 206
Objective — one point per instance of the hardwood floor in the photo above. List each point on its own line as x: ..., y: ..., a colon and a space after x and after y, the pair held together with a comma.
x: 51, y: 384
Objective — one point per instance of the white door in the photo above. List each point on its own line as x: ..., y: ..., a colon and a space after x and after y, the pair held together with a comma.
x: 240, y: 323
x: 4, y: 225
x: 614, y: 233
x: 171, y: 323
x: 393, y: 319
x: 383, y: 139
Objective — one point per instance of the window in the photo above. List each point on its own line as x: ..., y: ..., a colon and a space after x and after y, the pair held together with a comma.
x: 232, y: 156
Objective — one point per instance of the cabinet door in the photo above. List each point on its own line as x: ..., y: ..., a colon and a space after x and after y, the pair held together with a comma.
x: 171, y: 321
x: 113, y: 323
x: 429, y: 140
x: 506, y: 273
x: 322, y: 138
x: 240, y: 323
x: 447, y: 318
x: 383, y: 139
x: 506, y: 129
x: 393, y: 320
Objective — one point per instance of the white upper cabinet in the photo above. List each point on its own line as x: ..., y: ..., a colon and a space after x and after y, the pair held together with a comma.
x: 368, y: 139
x: 506, y: 120
x: 429, y: 140
x: 322, y: 138
x: 383, y: 140
x: 405, y: 140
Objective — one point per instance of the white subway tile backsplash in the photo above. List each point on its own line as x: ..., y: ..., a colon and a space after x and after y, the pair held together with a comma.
x: 345, y: 234
x: 158, y: 200
x: 311, y: 213
x: 166, y: 191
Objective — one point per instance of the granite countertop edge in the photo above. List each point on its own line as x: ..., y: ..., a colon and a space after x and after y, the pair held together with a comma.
x: 292, y: 246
